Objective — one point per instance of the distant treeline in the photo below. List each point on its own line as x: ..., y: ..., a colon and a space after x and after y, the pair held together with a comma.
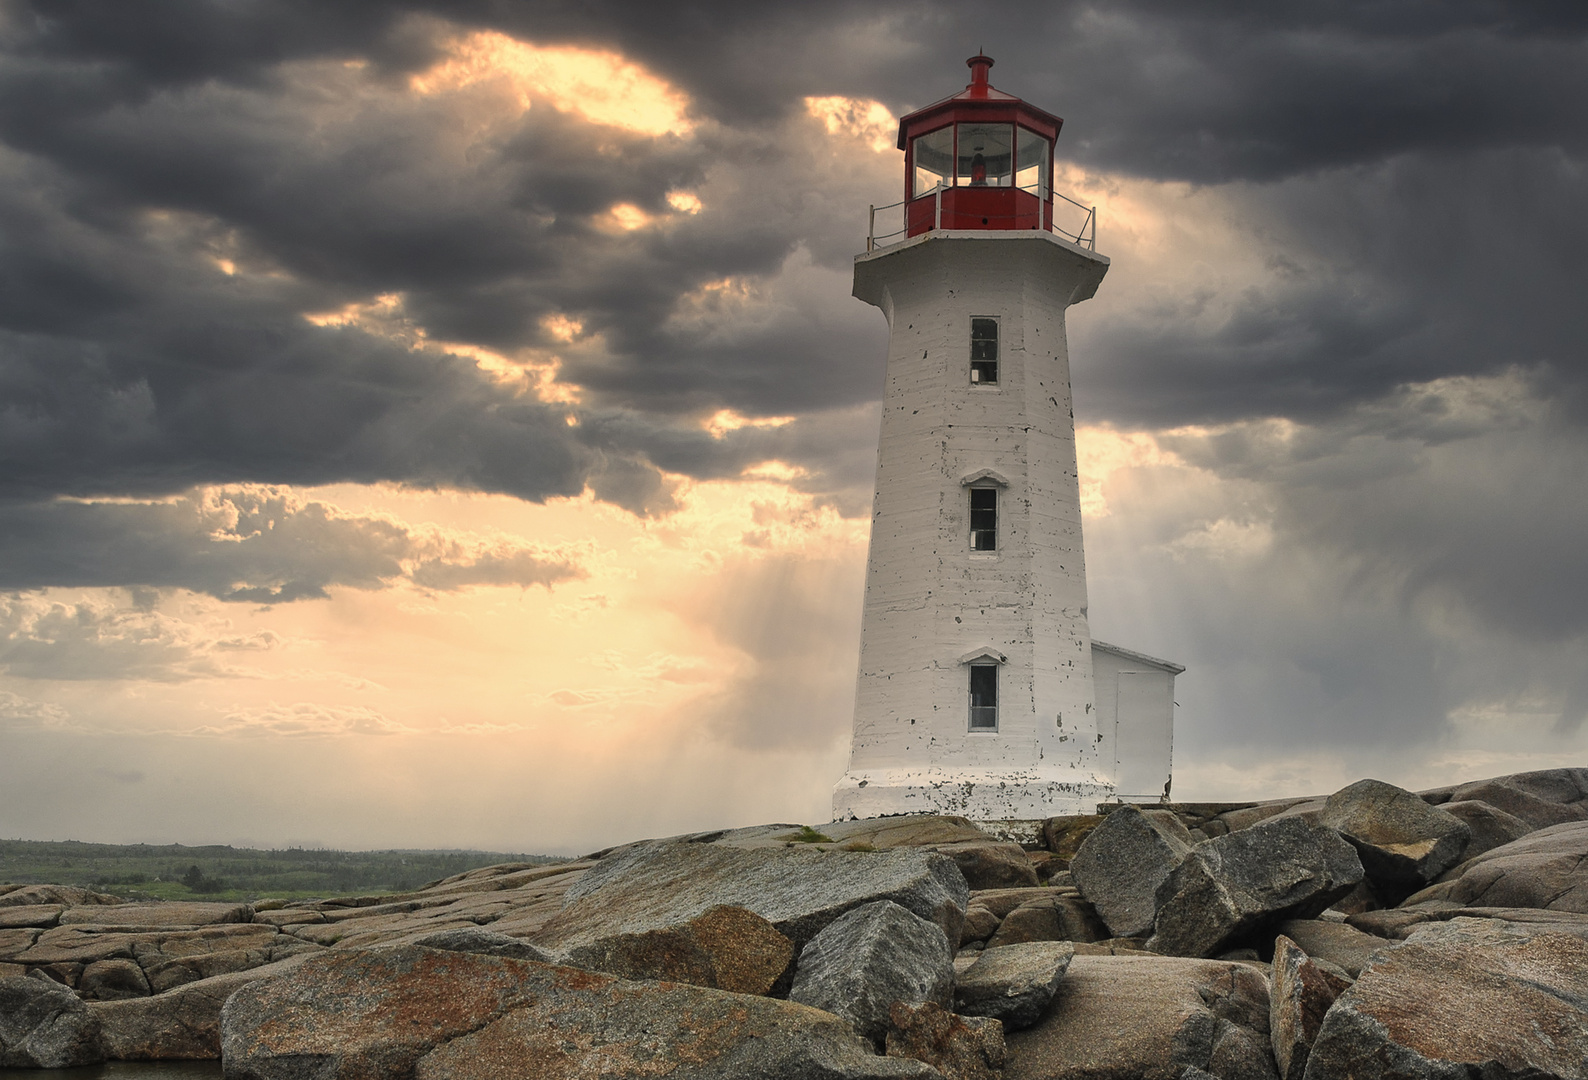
x: 173, y: 871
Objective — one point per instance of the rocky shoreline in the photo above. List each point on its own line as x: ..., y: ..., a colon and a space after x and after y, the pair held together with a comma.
x: 1374, y: 932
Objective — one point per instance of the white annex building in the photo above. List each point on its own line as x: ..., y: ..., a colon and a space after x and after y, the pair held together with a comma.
x: 981, y: 691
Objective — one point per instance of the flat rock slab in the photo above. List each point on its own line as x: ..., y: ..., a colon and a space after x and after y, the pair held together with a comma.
x: 1123, y: 862
x: 1540, y: 799
x: 170, y: 914
x: 42, y: 916
x: 988, y: 864
x: 410, y: 1011
x: 45, y: 1026
x: 1491, y: 827
x: 1235, y: 885
x: 868, y: 959
x: 477, y: 939
x: 1545, y: 869
x: 1456, y: 1009
x: 65, y: 895
x: 1013, y: 984
x: 1148, y: 1018
x: 652, y: 886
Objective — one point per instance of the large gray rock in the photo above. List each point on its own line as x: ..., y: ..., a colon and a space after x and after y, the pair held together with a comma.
x: 1013, y: 984
x: 1121, y: 864
x: 989, y: 864
x: 798, y: 890
x: 64, y: 895
x: 725, y: 948
x: 1344, y: 946
x: 111, y: 980
x: 1300, y: 993
x: 1491, y: 827
x: 1453, y: 1010
x: 869, y: 958
x: 1148, y: 1018
x: 477, y: 939
x: 1403, y: 842
x: 1002, y: 901
x: 1056, y: 917
x: 43, y: 1025
x: 1239, y: 884
x: 433, y: 1015
x: 1545, y: 869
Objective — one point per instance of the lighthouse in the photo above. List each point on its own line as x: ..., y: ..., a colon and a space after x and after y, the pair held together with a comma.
x: 976, y: 691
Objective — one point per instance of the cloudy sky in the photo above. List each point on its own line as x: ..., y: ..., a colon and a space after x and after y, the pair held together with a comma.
x: 449, y: 425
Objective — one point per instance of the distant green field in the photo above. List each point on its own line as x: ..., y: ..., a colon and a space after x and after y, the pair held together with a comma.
x: 175, y: 872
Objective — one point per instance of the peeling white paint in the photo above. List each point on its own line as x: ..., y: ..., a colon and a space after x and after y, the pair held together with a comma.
x: 931, y: 601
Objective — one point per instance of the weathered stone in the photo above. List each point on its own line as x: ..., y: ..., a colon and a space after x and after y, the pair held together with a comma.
x: 1545, y: 869
x: 170, y: 913
x: 1300, y: 995
x: 63, y: 895
x: 988, y: 865
x: 1393, y: 924
x: 1054, y: 918
x: 179, y: 1025
x: 1338, y: 943
x: 1523, y: 921
x: 1505, y: 794
x: 1236, y: 885
x: 1403, y: 842
x: 1147, y: 1018
x: 958, y: 1047
x: 979, y: 925
x: 1123, y: 862
x: 110, y: 980
x: 411, y: 1011
x: 45, y: 1026
x: 1013, y: 983
x: 725, y: 948
x: 908, y: 830
x: 14, y: 943
x: 1064, y: 835
x: 1462, y: 1009
x: 1491, y: 827
x: 477, y: 939
x: 1002, y: 901
x: 798, y: 891
x: 867, y: 959
x: 1360, y: 898
x: 42, y: 916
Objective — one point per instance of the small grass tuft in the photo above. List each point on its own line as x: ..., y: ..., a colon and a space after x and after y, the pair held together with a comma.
x: 808, y: 835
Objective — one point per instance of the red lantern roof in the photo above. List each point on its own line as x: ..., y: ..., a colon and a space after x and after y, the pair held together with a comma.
x: 981, y: 159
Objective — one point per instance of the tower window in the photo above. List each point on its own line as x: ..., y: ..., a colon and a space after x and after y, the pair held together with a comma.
x: 984, y: 519
x: 984, y: 352
x: 984, y: 697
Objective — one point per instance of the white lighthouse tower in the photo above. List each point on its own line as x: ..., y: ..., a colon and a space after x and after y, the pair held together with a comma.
x: 975, y: 692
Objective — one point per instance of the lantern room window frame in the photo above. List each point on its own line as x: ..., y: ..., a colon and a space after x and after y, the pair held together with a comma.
x: 960, y: 199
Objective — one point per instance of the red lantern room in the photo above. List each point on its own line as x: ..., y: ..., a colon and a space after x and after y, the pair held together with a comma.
x: 982, y: 159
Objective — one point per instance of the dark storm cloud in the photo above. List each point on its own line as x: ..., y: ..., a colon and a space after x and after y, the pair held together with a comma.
x: 251, y: 546
x: 1414, y: 174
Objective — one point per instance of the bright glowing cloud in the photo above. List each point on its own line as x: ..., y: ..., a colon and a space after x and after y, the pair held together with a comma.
x: 685, y: 202
x: 599, y: 85
x: 720, y: 423
x: 856, y: 118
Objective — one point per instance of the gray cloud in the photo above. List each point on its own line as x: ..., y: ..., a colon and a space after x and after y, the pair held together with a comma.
x: 251, y: 545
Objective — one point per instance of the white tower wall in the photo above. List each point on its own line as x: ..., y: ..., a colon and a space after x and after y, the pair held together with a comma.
x: 931, y: 602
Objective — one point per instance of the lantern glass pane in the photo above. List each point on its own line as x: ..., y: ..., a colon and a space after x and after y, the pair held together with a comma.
x: 986, y: 155
x: 933, y: 154
x: 1031, y: 164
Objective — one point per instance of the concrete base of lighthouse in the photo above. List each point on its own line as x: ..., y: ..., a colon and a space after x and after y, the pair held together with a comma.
x: 1009, y: 794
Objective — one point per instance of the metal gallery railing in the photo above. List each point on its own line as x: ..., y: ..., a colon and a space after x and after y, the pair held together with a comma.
x: 1085, y: 234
